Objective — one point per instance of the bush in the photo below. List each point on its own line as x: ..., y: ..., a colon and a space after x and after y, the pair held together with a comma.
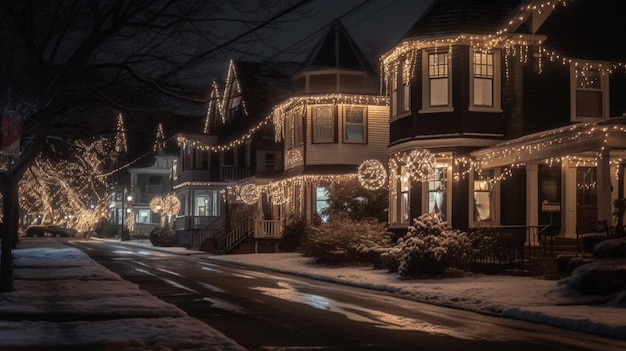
x: 345, y: 241
x: 111, y: 231
x: 294, y: 231
x: 428, y: 248
x: 163, y: 237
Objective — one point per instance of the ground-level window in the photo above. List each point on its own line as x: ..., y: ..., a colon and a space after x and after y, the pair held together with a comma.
x: 437, y: 188
x: 484, y: 199
x: 143, y: 216
x: 321, y: 201
x: 207, y: 203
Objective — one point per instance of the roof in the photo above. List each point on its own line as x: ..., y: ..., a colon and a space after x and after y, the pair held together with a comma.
x: 264, y: 84
x: 579, y: 138
x: 450, y: 17
x: 337, y: 50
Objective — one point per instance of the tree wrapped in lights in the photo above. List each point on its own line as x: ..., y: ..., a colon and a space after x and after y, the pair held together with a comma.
x: 167, y: 207
x: 69, y: 191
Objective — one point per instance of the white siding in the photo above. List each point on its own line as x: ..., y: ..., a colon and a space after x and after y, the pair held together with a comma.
x: 350, y: 153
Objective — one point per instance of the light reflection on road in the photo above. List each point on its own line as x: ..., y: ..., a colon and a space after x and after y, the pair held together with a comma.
x: 356, y: 313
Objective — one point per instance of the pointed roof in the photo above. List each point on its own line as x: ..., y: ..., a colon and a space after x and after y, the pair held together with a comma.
x: 451, y: 17
x: 337, y: 50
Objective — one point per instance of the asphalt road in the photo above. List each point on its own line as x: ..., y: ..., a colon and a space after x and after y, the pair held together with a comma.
x: 264, y: 310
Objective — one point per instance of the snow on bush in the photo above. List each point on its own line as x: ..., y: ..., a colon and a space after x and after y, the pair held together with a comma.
x: 428, y: 248
x: 610, y: 248
x: 344, y: 240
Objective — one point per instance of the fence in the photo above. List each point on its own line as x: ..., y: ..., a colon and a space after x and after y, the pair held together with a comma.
x: 507, y: 248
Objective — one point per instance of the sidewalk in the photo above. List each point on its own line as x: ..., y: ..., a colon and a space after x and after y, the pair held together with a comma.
x: 63, y: 300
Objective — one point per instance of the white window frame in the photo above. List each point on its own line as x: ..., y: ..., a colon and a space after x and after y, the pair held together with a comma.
x: 315, y: 124
x: 496, y: 78
x: 426, y: 81
x: 428, y: 190
x: 401, y: 89
x: 576, y: 67
x: 363, y: 125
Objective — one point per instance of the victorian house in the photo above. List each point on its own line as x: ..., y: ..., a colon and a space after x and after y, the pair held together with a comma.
x: 234, y: 143
x: 335, y: 121
x: 508, y: 113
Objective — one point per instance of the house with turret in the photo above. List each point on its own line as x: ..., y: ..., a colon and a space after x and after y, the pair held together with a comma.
x: 508, y: 113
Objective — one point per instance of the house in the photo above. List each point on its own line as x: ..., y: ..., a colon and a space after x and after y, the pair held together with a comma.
x: 508, y: 113
x: 335, y: 121
x: 234, y: 144
x: 149, y: 177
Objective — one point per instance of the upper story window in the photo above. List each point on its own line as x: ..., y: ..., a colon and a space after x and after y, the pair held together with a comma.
x: 289, y: 131
x: 401, y: 88
x: 324, y: 124
x: 436, y: 85
x: 589, y: 92
x: 298, y: 137
x: 354, y: 125
x: 485, y: 81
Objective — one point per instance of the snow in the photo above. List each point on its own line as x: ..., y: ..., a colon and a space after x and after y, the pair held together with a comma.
x: 62, y: 298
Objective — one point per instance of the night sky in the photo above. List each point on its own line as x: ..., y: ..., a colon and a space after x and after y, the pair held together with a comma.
x: 381, y: 22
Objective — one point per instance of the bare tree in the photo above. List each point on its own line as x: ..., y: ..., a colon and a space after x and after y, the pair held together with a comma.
x: 60, y: 60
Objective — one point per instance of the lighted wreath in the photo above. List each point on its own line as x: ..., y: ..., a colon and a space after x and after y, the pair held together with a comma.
x: 420, y: 164
x: 372, y: 174
x: 249, y: 194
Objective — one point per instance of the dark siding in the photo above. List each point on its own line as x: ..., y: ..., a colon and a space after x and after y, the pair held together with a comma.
x: 460, y: 203
x: 617, y: 91
x: 546, y: 96
x: 513, y: 198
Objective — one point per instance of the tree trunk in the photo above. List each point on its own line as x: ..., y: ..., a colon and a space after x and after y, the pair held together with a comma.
x: 8, y: 230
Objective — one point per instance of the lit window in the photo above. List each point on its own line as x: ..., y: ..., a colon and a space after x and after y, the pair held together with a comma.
x: 484, y: 200
x: 321, y: 201
x: 483, y: 79
x: 589, y: 92
x: 438, y: 73
x: 401, y: 88
x: 324, y: 124
x: 289, y: 131
x: 207, y: 204
x: 354, y: 125
x: 405, y: 187
x: 437, y: 186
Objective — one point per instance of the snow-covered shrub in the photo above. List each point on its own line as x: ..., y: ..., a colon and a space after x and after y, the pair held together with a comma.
x: 344, y: 240
x: 610, y: 248
x: 163, y: 237
x: 428, y: 248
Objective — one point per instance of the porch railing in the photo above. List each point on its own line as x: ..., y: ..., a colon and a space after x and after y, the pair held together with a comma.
x: 269, y: 229
x: 508, y: 248
x: 194, y: 238
x: 229, y: 240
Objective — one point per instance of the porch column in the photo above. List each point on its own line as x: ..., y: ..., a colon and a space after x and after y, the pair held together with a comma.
x: 604, y: 188
x: 568, y: 201
x: 532, y: 199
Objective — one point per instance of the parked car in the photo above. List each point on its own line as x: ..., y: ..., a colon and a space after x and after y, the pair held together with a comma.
x: 49, y: 230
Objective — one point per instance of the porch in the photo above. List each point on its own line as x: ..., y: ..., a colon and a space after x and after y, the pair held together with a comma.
x: 214, y: 234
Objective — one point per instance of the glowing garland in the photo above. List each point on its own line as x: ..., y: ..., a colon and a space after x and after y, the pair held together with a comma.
x: 372, y: 174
